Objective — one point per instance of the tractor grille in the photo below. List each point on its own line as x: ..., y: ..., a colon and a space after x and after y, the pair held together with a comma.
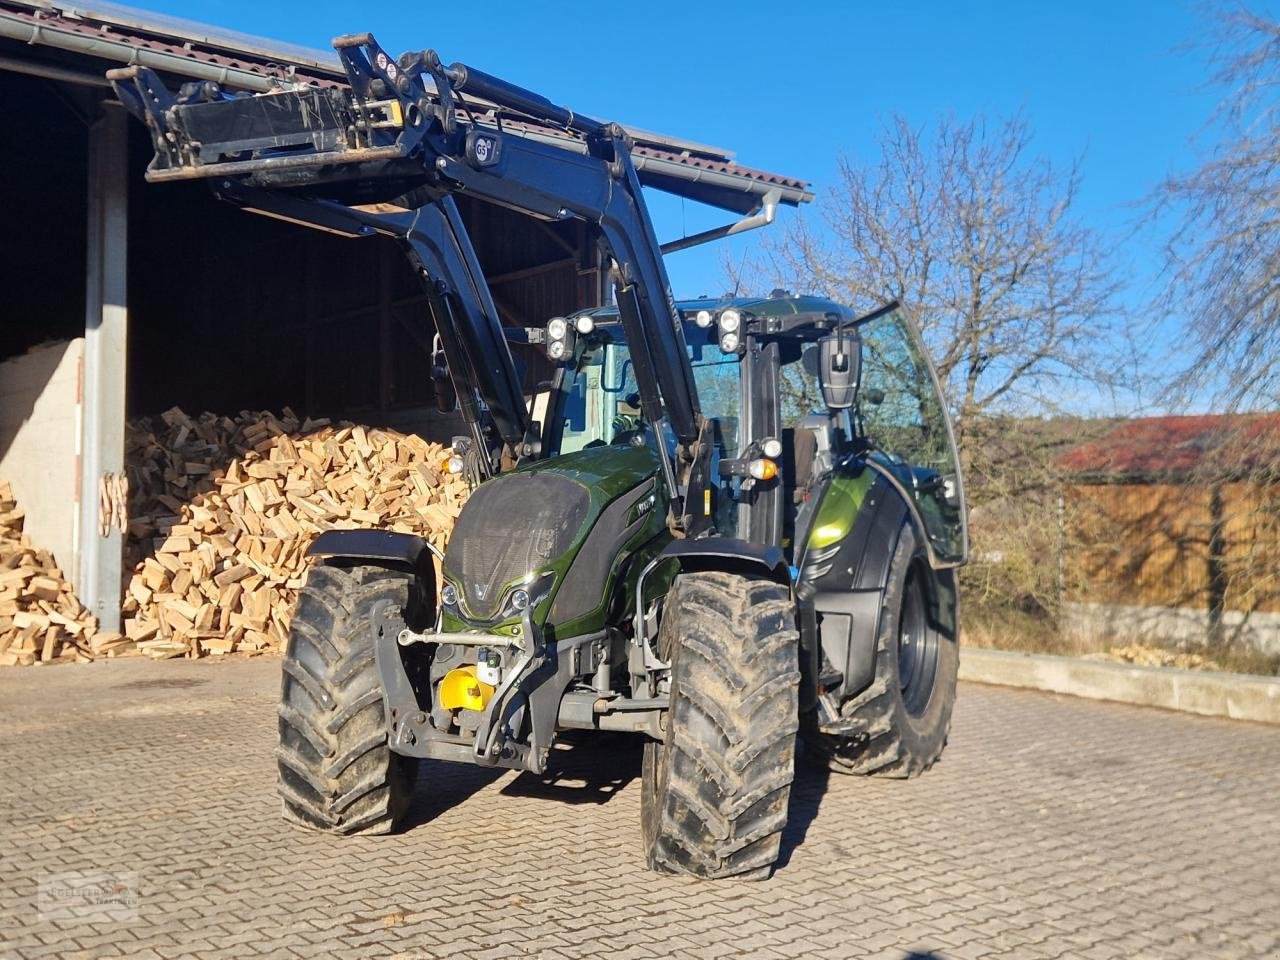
x: 510, y: 527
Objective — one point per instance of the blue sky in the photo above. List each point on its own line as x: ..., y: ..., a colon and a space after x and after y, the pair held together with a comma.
x: 789, y: 87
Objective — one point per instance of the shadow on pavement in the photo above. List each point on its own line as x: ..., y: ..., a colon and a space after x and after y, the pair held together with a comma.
x: 590, y: 767
x: 584, y: 767
x: 807, y: 791
x: 442, y: 785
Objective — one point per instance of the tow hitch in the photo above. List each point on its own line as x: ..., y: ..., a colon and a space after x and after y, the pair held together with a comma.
x: 471, y: 712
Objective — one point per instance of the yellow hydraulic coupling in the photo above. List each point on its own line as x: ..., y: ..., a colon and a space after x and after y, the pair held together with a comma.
x: 461, y: 688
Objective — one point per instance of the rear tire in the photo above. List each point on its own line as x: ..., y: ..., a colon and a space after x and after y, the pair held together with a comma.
x: 898, y: 726
x: 336, y: 772
x: 715, y: 794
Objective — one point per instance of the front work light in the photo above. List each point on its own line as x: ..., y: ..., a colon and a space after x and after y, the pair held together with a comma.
x: 559, y: 338
x: 703, y: 318
x: 584, y: 325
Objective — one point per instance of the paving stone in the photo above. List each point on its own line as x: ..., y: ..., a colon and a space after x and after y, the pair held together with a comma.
x: 1052, y: 828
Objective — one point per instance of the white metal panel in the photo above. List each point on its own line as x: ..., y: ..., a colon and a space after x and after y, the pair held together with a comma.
x: 38, y: 423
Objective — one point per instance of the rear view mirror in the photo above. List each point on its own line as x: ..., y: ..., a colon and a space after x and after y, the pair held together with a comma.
x: 839, y: 366
x: 442, y: 384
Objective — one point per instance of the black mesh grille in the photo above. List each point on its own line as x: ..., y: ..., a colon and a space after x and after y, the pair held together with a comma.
x: 512, y: 526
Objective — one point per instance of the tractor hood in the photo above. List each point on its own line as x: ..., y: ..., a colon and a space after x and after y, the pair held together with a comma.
x: 519, y: 534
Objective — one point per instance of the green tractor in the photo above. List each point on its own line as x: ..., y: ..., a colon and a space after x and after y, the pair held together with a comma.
x: 723, y: 526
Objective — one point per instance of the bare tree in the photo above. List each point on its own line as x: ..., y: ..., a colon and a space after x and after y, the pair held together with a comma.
x: 978, y: 240
x: 1223, y: 271
x: 1224, y: 255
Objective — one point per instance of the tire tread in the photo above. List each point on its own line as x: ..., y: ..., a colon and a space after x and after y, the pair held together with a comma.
x: 336, y: 772
x: 730, y: 751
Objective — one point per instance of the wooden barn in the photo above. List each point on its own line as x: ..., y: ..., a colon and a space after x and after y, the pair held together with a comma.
x: 123, y: 300
x: 1172, y: 531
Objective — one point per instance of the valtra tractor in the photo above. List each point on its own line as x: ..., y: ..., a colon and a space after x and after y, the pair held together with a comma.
x: 724, y: 526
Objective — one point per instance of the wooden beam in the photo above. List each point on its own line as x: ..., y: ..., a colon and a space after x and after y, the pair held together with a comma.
x: 527, y: 272
x: 419, y: 337
x: 511, y: 310
x: 364, y: 312
x: 551, y: 232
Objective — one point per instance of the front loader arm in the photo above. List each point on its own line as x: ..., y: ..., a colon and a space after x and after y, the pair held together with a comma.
x: 570, y: 184
x: 467, y: 319
x: 396, y: 135
x: 485, y: 380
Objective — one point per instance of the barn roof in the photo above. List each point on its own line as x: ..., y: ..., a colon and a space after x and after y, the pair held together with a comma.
x: 98, y: 35
x: 1178, y: 448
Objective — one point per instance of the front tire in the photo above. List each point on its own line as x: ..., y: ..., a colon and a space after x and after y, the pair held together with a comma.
x: 898, y: 726
x: 715, y: 793
x: 336, y: 772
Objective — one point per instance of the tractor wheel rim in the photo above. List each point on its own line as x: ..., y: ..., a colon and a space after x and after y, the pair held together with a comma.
x: 917, y: 649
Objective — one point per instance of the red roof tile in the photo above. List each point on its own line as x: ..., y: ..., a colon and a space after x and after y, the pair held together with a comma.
x: 1174, y: 446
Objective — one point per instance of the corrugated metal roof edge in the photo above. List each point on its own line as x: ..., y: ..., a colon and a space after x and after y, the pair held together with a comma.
x: 180, y: 28
x: 266, y: 53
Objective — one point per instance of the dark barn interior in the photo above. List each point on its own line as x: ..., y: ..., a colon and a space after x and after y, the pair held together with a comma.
x: 229, y: 310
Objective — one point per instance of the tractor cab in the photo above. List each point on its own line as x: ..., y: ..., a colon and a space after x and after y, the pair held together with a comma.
x: 797, y: 390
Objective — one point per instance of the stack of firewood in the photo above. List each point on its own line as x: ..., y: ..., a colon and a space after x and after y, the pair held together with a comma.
x: 40, y: 617
x: 222, y: 511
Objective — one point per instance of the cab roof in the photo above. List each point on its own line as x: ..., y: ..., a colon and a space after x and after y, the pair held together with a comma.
x: 771, y: 306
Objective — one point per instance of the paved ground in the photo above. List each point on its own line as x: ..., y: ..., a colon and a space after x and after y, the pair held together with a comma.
x: 1053, y: 827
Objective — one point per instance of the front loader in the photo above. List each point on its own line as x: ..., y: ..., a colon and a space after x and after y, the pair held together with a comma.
x: 716, y: 581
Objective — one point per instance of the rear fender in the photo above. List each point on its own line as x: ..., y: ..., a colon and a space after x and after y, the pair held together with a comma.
x: 844, y: 586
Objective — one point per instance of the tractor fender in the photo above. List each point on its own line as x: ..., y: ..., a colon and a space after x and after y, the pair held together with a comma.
x: 729, y: 554
x: 384, y: 548
x: 846, y: 591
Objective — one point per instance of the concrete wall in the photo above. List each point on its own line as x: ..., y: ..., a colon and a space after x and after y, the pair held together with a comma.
x: 1110, y: 622
x: 39, y: 413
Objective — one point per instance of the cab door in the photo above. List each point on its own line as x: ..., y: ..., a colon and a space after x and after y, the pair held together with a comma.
x: 901, y: 413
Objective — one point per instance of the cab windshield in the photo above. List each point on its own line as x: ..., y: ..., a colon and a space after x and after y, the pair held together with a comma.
x: 601, y: 404
x: 602, y: 400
